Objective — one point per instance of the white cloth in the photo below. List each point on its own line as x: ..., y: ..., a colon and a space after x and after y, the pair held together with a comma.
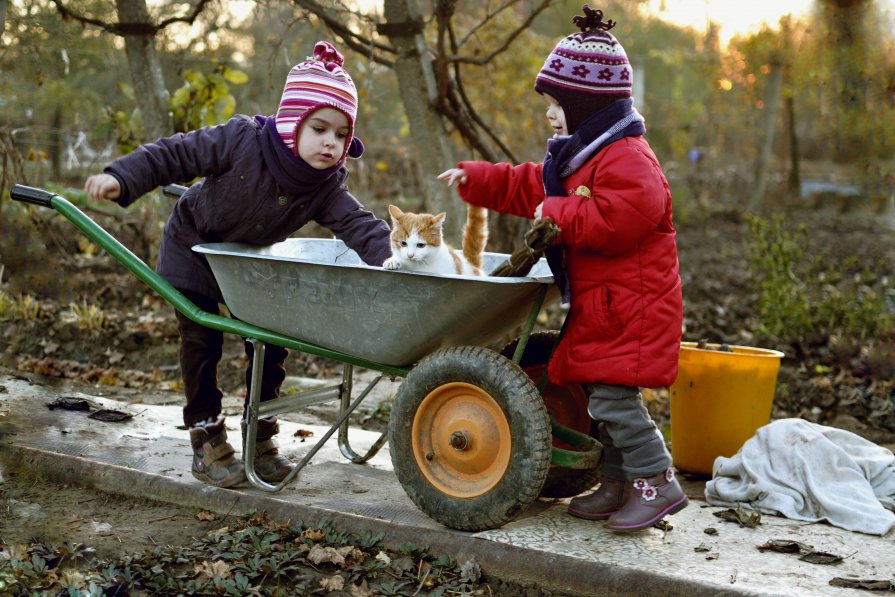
x: 810, y: 472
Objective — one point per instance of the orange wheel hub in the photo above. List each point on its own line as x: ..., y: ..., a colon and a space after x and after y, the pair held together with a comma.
x: 461, y: 440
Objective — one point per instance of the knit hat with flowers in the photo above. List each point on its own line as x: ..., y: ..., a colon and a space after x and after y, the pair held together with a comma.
x: 586, y: 71
x: 318, y: 82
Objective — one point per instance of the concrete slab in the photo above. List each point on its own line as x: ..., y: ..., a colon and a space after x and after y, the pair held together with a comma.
x: 148, y: 456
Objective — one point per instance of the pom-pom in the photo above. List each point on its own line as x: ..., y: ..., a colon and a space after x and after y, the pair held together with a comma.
x: 326, y: 53
x: 592, y: 19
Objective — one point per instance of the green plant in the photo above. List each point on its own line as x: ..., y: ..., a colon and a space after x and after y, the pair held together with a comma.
x: 853, y: 299
x: 89, y: 317
x: 205, y: 100
x: 23, y: 306
x: 775, y: 257
x: 801, y: 295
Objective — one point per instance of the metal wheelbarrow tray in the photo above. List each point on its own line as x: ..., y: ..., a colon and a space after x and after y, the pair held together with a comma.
x: 320, y: 291
x: 476, y: 434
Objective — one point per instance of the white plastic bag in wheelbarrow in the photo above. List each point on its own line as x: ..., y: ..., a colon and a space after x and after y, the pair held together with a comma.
x: 806, y: 471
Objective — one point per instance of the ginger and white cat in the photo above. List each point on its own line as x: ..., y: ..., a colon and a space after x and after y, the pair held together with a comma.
x: 418, y: 243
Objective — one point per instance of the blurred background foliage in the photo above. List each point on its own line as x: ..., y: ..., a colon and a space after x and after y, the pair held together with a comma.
x: 821, y: 88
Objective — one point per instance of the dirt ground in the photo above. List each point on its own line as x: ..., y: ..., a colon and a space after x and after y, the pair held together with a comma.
x: 100, y: 331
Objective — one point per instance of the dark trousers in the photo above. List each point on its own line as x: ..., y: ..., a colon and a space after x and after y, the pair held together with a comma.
x: 201, y: 349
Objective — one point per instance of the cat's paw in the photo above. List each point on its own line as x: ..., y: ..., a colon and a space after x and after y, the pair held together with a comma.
x: 392, y: 263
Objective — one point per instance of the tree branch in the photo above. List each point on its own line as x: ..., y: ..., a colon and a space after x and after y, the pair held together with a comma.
x: 357, y: 42
x: 470, y: 109
x: 129, y: 28
x: 506, y: 44
x: 485, y: 21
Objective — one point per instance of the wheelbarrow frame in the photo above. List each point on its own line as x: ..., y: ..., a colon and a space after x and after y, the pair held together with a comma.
x: 585, y: 452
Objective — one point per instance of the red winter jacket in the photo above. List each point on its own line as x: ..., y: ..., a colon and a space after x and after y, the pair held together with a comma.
x: 621, y: 256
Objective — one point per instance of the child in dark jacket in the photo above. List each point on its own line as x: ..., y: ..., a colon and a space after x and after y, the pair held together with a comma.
x: 615, y: 262
x: 264, y: 178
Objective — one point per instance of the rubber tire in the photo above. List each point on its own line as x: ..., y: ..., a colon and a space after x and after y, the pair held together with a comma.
x: 561, y: 482
x: 529, y: 427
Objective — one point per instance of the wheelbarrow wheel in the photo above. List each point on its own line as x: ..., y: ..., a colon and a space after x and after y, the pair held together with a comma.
x: 568, y: 407
x: 470, y: 438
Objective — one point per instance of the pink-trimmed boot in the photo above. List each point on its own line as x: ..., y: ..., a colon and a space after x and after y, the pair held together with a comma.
x: 648, y: 501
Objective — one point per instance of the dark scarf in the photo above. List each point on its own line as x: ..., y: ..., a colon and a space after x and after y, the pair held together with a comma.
x: 293, y: 174
x: 565, y: 155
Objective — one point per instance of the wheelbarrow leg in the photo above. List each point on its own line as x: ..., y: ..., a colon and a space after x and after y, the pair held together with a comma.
x: 344, y: 447
x: 251, y: 416
x: 255, y: 409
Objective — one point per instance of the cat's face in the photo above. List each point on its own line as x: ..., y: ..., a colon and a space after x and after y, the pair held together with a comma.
x: 415, y: 237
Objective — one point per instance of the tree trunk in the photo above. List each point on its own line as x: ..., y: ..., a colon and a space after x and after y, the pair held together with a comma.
x: 432, y: 147
x: 146, y: 71
x: 56, y: 143
x: 771, y: 106
x: 794, y: 183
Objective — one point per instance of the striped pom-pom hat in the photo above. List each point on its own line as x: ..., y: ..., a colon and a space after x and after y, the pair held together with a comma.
x: 586, y: 71
x: 318, y: 82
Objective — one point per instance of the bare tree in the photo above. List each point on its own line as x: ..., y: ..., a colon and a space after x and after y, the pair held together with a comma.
x: 135, y: 25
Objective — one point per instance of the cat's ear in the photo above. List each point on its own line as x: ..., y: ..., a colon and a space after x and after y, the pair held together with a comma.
x: 395, y: 211
x: 438, y: 219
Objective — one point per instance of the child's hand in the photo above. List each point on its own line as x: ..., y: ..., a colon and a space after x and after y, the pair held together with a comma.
x: 102, y: 186
x: 453, y: 175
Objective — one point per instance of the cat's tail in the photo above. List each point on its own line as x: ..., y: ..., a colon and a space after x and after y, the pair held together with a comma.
x: 475, y: 236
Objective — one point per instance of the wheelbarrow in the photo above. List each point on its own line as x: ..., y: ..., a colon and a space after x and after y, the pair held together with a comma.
x: 476, y: 433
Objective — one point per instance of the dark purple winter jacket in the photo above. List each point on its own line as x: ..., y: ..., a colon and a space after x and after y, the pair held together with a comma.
x: 254, y: 191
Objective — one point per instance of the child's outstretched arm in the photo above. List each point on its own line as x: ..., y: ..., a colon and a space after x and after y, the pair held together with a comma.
x: 515, y: 190
x: 103, y: 186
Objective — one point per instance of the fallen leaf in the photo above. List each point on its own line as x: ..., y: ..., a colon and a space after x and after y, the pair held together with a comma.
x: 470, y: 571
x: 216, y: 569
x: 313, y: 535
x: 361, y: 590
x: 383, y: 557
x: 785, y: 546
x: 67, y: 403
x: 403, y: 564
x: 339, y: 556
x: 808, y: 553
x: 869, y: 584
x: 333, y: 583
x: 209, y: 516
x: 821, y: 557
x: 741, y: 516
x: 110, y: 416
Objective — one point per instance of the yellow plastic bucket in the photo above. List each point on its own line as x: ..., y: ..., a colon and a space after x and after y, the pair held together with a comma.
x: 718, y: 401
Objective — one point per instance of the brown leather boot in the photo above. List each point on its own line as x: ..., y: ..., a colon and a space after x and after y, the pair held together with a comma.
x: 648, y: 501
x: 213, y: 461
x: 270, y: 465
x: 602, y: 503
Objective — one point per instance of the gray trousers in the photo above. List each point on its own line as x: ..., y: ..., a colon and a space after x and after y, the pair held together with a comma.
x: 633, y: 447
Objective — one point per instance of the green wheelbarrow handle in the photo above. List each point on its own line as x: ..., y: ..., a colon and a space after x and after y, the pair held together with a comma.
x: 148, y: 276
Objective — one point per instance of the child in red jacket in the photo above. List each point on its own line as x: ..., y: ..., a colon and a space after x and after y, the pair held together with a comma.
x: 615, y: 262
